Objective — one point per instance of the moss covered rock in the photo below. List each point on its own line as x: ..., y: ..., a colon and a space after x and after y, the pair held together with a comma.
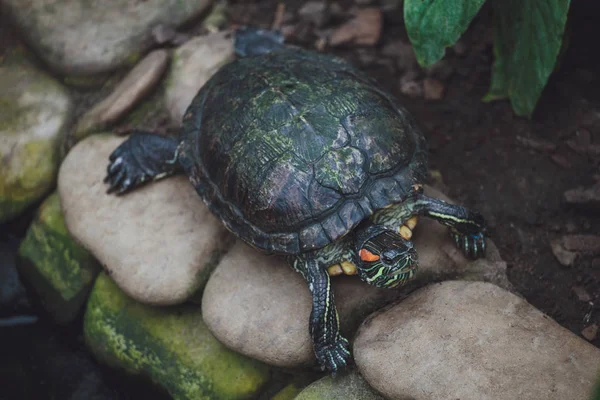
x: 170, y: 345
x: 350, y: 386
x: 60, y: 270
x: 34, y: 113
x: 287, y: 393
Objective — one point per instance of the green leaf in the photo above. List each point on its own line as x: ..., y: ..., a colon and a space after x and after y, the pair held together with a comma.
x: 433, y: 25
x: 527, y: 39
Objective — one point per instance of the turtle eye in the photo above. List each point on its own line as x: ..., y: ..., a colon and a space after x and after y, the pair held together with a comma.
x: 389, y: 257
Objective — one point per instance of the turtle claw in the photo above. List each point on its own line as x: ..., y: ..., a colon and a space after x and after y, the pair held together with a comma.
x: 334, y: 357
x: 141, y: 158
x: 122, y: 176
x: 472, y: 245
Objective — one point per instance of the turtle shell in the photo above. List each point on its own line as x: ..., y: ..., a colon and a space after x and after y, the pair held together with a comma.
x: 293, y: 149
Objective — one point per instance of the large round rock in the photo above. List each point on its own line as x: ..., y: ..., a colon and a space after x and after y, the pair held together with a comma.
x: 472, y: 340
x: 159, y: 243
x: 82, y: 37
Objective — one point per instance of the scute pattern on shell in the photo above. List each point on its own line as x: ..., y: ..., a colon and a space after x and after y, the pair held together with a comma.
x: 293, y: 149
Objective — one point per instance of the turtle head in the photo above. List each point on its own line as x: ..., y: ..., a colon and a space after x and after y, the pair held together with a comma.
x: 386, y: 259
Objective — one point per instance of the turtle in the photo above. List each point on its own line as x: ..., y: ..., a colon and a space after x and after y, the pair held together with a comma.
x: 303, y: 155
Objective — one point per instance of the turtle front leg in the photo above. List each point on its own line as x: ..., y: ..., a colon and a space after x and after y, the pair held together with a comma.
x: 331, y: 348
x: 467, y: 227
x: 142, y: 158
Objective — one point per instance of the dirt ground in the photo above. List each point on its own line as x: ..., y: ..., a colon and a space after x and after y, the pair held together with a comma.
x: 514, y: 170
x: 479, y: 150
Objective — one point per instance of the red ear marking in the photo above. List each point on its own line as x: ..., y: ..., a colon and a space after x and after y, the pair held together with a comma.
x: 366, y: 255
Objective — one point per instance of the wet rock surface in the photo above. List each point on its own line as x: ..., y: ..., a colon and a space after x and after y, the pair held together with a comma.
x: 193, y: 64
x: 59, y: 270
x: 34, y: 113
x: 137, y: 84
x: 503, y: 347
x: 171, y: 346
x: 250, y: 291
x: 159, y: 243
x: 80, y: 37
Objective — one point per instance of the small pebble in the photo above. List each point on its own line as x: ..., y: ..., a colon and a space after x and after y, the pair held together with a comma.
x: 581, y: 293
x: 564, y: 257
x: 364, y: 29
x: 433, y: 89
x: 590, y: 149
x: 536, y: 144
x: 561, y: 161
x: 590, y: 332
x: 411, y: 88
x: 589, y: 244
x: 586, y: 197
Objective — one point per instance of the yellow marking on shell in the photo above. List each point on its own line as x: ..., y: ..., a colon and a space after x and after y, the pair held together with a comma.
x: 348, y: 268
x: 412, y: 222
x: 405, y: 232
x: 335, y: 270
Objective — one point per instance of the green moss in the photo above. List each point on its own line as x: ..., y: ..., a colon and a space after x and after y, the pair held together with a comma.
x: 10, y: 114
x: 287, y: 393
x: 133, y: 58
x: 217, y: 18
x: 170, y: 345
x: 28, y: 175
x: 350, y: 386
x: 60, y: 270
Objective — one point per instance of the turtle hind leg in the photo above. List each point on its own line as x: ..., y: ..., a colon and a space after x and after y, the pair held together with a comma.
x: 252, y: 41
x: 142, y: 158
